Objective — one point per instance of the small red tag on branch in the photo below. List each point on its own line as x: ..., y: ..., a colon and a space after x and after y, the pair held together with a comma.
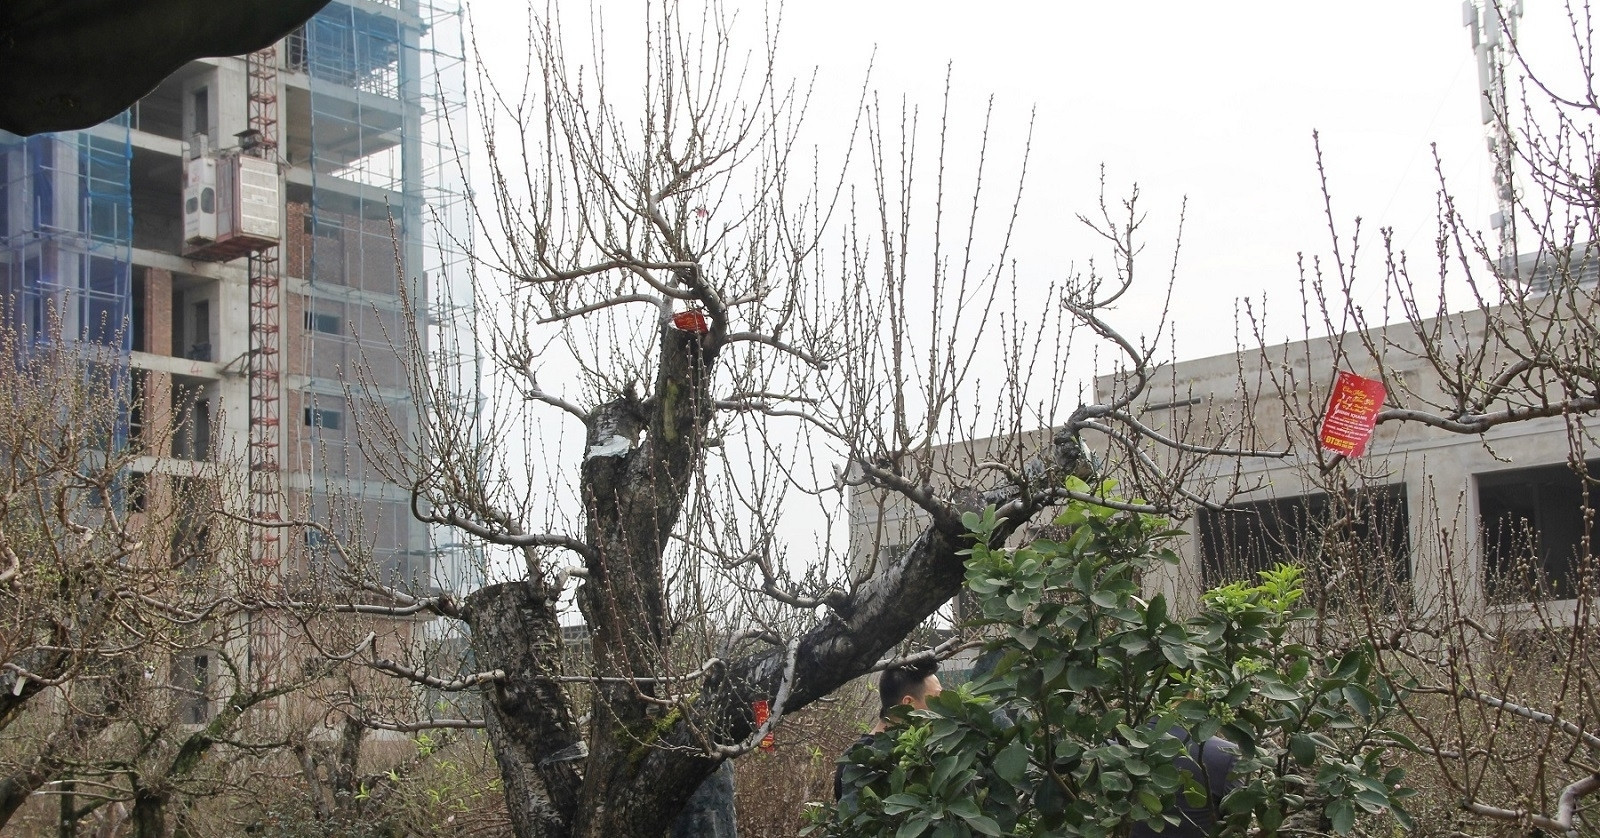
x: 693, y: 320
x: 1352, y: 414
x: 762, y: 714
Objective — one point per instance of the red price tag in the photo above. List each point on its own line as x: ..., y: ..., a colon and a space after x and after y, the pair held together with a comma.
x: 762, y: 714
x: 693, y: 321
x: 1352, y: 414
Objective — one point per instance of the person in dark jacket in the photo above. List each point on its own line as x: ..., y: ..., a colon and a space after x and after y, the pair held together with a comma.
x: 1211, y: 764
x: 911, y: 684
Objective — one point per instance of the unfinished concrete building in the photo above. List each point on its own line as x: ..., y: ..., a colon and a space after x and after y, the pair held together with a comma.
x: 244, y: 239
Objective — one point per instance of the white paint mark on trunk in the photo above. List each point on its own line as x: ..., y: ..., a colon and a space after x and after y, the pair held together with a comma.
x: 611, y: 446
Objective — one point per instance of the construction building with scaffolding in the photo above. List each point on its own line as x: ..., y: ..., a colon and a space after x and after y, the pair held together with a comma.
x: 248, y: 249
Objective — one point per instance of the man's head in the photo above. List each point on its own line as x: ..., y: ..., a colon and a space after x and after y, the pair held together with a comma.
x: 912, y: 684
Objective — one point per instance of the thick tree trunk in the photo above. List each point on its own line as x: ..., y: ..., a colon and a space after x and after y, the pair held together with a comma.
x: 632, y: 503
x: 641, y: 793
x: 66, y: 817
x: 645, y: 761
x: 149, y: 814
x: 19, y: 785
x: 527, y: 715
x: 538, y: 745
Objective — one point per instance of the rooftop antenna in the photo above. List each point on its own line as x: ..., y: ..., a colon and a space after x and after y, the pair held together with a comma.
x: 1493, y: 25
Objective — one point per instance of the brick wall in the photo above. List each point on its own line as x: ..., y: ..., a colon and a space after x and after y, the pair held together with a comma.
x: 158, y: 311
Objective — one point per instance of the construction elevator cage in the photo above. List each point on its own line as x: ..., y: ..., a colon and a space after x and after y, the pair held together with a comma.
x: 382, y: 221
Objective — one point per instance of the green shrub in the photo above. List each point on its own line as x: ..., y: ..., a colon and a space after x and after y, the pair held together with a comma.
x: 1096, y: 693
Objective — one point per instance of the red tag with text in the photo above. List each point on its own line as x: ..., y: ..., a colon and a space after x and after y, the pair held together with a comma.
x: 762, y: 714
x: 1352, y: 414
x: 693, y: 321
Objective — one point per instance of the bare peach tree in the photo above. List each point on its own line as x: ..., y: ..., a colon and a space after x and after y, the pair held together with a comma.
x: 129, y: 686
x: 1480, y: 598
x: 63, y: 541
x: 1501, y: 649
x: 111, y: 582
x: 707, y: 340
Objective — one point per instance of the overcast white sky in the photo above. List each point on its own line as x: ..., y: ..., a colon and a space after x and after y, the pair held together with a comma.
x: 1213, y: 102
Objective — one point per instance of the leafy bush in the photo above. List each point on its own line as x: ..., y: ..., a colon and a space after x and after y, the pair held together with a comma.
x: 1098, y: 700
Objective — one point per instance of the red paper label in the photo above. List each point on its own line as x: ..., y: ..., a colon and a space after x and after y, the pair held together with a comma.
x: 762, y: 714
x: 694, y: 321
x: 1351, y: 415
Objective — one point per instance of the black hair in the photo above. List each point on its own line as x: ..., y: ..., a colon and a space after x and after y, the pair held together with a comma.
x: 900, y: 681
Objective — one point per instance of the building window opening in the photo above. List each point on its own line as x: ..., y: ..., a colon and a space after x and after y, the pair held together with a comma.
x: 1348, y: 547
x: 202, y: 111
x: 318, y: 548
x: 192, y: 682
x: 191, y: 439
x: 139, y: 339
x: 1537, y: 534
x: 328, y: 420
x: 191, y: 547
x: 138, y: 386
x: 135, y: 488
x: 328, y: 324
x: 200, y: 347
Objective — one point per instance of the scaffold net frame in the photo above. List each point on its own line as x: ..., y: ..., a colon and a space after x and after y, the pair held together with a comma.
x: 387, y: 98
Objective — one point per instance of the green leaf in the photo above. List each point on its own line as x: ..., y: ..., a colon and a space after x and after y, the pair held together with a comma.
x: 899, y: 804
x: 1053, y: 667
x: 1303, y: 749
x: 1011, y: 764
x: 1299, y: 669
x: 1241, y: 735
x: 985, y: 585
x: 1276, y: 690
x: 1244, y: 799
x: 1156, y: 613
x: 984, y: 825
x: 1081, y: 677
x: 1348, y: 665
x: 966, y: 807
x: 913, y: 827
x: 1372, y: 801
x: 1402, y: 740
x: 1359, y: 699
x: 1133, y: 737
x: 1028, y: 637
x: 942, y: 772
x: 1271, y: 820
x: 1343, y: 816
